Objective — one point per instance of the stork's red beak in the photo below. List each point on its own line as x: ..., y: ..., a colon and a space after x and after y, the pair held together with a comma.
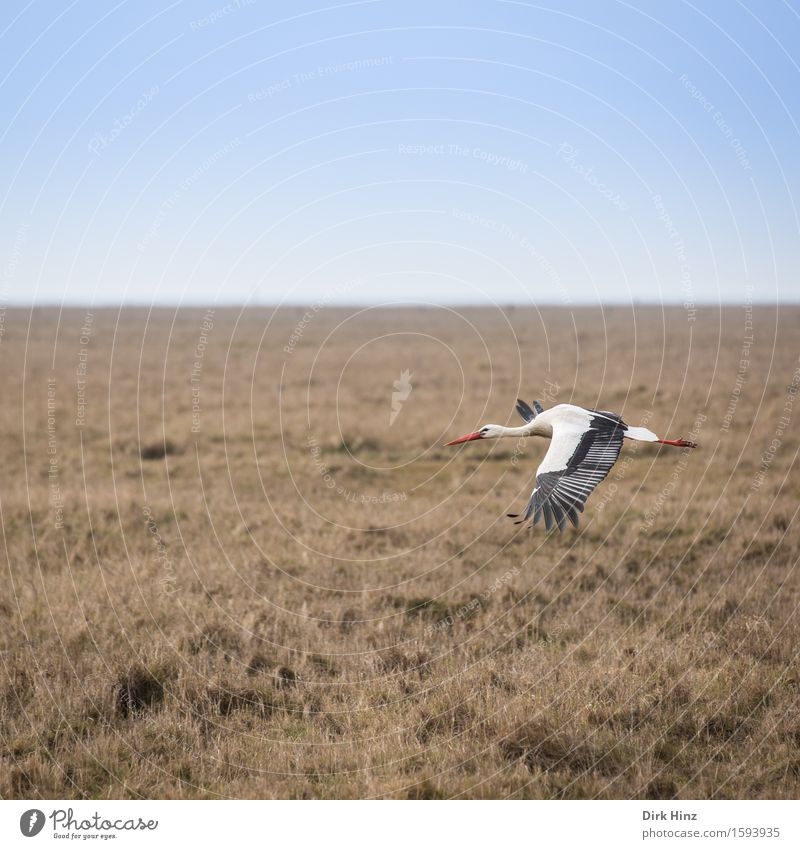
x: 467, y: 438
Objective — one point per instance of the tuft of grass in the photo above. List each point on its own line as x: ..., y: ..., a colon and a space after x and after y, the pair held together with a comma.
x: 136, y: 691
x: 226, y: 701
x: 541, y: 745
x: 158, y: 450
x: 286, y: 677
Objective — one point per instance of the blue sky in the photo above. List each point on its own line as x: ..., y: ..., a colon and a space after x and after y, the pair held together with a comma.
x: 253, y: 152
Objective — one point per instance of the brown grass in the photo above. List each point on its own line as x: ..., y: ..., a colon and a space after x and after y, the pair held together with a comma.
x: 216, y: 617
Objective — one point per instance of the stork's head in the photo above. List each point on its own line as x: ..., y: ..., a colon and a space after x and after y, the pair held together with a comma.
x: 490, y: 431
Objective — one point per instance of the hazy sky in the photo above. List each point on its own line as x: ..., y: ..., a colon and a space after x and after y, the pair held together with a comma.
x: 392, y: 151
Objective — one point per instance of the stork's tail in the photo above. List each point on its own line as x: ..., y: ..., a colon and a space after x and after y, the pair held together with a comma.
x: 640, y: 433
x: 645, y: 435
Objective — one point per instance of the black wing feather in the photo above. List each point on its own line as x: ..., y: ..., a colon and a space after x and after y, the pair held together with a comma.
x: 527, y: 413
x: 560, y: 494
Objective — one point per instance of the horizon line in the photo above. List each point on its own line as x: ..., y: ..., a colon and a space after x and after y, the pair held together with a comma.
x: 30, y: 305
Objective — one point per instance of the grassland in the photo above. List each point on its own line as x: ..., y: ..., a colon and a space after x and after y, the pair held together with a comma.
x: 227, y: 574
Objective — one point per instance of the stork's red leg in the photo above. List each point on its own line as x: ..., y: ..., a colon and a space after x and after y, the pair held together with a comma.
x: 678, y: 443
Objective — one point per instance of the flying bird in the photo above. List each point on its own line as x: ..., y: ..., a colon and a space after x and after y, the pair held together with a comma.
x: 584, y: 445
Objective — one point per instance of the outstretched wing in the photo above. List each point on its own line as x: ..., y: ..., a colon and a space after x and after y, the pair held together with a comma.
x: 528, y: 414
x: 575, y: 463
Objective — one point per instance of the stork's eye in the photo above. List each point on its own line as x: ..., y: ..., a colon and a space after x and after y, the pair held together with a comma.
x: 484, y: 430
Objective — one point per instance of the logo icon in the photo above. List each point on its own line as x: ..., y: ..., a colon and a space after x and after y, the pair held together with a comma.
x: 402, y: 389
x: 31, y: 822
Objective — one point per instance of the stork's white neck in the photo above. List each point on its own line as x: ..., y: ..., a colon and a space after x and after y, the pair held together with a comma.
x: 528, y: 429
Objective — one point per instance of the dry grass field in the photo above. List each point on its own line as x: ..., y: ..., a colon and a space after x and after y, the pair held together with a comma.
x: 228, y: 575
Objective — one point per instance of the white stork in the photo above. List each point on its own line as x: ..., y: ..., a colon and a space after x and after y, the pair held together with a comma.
x: 584, y: 446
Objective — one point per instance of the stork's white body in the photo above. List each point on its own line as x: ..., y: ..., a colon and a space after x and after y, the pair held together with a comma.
x: 584, y: 445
